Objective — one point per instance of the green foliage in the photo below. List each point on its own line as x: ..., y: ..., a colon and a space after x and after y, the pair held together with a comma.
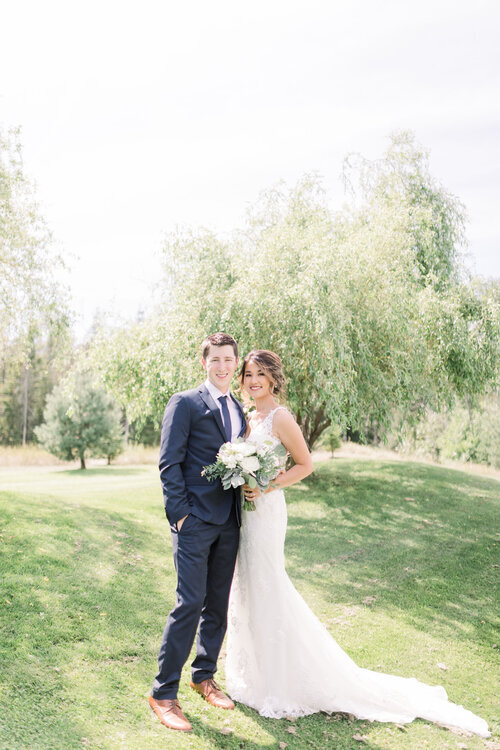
x: 30, y: 295
x: 368, y: 308
x: 29, y: 372
x: 332, y: 438
x: 473, y: 435
x: 431, y: 220
x: 145, y: 432
x: 81, y: 420
x: 463, y: 433
x: 142, y: 365
x: 34, y: 317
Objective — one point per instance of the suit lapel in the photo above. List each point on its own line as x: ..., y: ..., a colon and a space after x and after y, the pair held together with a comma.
x: 208, y: 400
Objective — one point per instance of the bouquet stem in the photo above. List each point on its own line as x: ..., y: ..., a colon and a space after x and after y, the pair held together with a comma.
x: 246, y: 504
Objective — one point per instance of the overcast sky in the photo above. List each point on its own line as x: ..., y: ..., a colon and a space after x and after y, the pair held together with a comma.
x: 140, y: 116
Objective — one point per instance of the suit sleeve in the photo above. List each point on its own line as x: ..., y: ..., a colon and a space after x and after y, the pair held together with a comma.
x: 174, y: 440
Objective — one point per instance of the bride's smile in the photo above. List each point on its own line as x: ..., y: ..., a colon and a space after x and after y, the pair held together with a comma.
x: 258, y: 385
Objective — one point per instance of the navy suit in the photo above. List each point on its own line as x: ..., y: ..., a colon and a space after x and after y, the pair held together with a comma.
x: 205, y: 548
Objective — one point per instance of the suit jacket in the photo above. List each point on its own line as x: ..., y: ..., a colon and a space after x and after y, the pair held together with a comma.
x: 191, y: 435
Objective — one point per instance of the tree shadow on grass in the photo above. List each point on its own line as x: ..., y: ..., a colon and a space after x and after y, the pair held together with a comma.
x: 420, y: 538
x: 104, y: 471
x: 306, y: 733
x: 90, y: 591
x: 104, y: 583
x: 87, y: 589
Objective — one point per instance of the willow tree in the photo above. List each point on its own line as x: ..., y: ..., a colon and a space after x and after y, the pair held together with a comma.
x: 356, y: 302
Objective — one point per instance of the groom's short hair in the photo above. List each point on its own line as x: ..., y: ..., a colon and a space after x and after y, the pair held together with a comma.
x: 218, y: 339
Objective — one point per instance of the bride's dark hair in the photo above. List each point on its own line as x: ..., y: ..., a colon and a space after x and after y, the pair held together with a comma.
x: 271, y: 366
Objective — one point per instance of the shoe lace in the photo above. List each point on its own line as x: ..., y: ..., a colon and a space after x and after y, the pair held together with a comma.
x: 213, y: 685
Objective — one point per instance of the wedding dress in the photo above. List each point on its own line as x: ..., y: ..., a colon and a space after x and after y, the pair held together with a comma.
x: 282, y: 661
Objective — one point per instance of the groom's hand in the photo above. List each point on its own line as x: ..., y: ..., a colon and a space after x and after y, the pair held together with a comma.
x: 180, y: 522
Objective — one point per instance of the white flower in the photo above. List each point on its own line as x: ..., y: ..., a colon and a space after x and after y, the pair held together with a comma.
x: 247, y: 449
x: 250, y: 463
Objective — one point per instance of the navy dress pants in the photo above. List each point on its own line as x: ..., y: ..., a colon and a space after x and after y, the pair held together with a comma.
x: 204, y: 557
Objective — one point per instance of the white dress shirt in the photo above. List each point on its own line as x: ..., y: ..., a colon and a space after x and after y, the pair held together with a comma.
x: 236, y: 423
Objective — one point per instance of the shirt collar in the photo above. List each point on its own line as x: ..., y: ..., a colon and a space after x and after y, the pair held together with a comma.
x: 214, y: 391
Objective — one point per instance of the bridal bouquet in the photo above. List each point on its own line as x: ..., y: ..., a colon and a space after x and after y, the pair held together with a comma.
x: 244, y: 462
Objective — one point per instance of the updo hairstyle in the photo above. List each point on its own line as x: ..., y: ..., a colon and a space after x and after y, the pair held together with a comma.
x: 271, y: 366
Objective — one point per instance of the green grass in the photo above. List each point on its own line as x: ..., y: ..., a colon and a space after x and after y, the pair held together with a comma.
x: 397, y: 559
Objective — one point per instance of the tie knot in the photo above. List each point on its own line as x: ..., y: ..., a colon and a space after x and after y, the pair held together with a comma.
x: 222, y: 399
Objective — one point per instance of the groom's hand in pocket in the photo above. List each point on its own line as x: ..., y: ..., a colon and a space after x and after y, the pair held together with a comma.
x: 180, y: 522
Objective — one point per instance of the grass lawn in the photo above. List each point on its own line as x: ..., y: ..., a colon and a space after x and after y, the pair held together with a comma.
x: 396, y: 558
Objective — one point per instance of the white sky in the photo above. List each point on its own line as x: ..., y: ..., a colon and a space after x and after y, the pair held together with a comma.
x: 140, y: 116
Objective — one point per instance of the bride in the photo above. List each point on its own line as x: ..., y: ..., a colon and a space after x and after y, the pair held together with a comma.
x: 281, y: 661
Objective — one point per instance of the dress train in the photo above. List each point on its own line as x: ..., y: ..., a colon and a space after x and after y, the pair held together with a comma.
x: 282, y: 661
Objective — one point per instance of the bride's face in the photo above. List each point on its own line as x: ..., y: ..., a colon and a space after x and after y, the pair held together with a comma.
x: 255, y: 381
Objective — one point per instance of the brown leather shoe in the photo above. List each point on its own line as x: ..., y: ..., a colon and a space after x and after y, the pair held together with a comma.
x: 169, y: 713
x: 212, y: 693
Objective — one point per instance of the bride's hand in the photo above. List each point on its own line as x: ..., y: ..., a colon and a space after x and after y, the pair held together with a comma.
x: 273, y: 485
x: 251, y: 494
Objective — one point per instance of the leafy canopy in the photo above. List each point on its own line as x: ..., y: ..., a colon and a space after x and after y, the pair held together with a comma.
x: 369, y: 307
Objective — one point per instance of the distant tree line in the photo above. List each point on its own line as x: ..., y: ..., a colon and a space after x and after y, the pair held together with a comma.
x: 35, y: 343
x: 34, y: 314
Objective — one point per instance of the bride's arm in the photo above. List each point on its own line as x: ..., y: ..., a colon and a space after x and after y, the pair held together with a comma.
x: 288, y: 431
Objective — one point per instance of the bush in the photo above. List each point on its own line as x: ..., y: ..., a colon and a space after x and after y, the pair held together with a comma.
x: 453, y: 434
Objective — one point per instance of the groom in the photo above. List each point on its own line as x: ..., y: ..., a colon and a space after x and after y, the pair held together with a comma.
x: 205, y: 522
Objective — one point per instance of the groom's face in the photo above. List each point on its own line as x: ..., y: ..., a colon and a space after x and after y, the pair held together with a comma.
x: 220, y: 366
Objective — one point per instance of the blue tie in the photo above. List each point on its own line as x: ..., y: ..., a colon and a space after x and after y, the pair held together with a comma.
x: 226, y: 417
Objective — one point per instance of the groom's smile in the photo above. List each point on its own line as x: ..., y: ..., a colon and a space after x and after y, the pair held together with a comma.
x: 220, y: 366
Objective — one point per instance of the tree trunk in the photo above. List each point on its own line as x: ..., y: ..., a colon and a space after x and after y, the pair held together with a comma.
x: 469, y: 409
x: 25, y: 403
x: 313, y: 425
x: 82, y: 462
x: 319, y: 425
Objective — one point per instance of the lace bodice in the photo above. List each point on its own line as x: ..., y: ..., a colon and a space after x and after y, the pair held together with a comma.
x: 264, y: 430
